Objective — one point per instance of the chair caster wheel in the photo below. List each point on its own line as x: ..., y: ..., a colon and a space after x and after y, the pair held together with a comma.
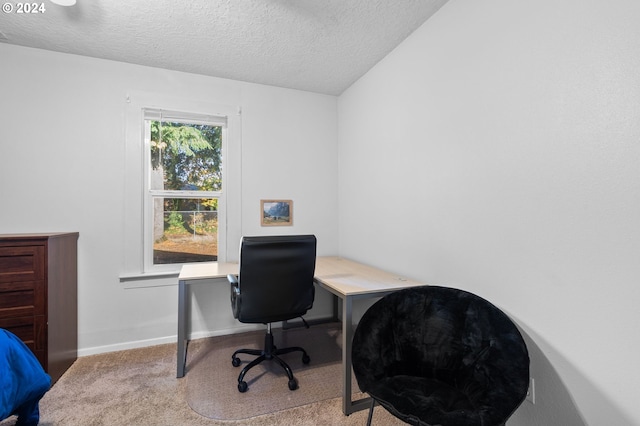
x: 242, y: 387
x: 293, y: 384
x: 235, y: 361
x: 306, y: 359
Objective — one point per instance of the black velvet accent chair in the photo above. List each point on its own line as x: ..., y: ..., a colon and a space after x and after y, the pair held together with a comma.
x: 275, y: 283
x: 441, y: 356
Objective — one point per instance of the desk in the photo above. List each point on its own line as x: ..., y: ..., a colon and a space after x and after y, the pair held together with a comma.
x: 349, y: 281
x: 196, y: 273
x: 345, y: 279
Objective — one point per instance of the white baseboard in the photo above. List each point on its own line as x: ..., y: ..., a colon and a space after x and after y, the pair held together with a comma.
x: 135, y: 344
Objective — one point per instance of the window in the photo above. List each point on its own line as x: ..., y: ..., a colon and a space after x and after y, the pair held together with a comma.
x: 183, y: 186
x: 182, y: 189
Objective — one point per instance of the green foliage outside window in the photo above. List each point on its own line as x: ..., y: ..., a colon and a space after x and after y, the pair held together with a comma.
x: 190, y: 158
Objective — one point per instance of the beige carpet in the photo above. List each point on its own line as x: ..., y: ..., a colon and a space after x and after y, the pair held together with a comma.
x: 139, y: 387
x: 212, y: 382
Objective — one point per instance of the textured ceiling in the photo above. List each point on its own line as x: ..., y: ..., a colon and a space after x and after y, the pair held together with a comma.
x: 315, y: 45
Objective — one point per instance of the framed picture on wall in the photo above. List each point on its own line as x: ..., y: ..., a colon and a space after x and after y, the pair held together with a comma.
x: 276, y: 212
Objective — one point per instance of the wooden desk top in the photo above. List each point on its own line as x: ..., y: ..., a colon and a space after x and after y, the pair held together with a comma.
x: 348, y: 278
x: 343, y: 276
x: 205, y: 270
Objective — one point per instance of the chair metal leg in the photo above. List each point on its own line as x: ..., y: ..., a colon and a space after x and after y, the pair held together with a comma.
x: 373, y: 403
x: 248, y: 352
x: 284, y: 365
x: 250, y: 366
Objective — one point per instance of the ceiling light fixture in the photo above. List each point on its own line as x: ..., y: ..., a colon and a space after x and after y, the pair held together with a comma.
x: 64, y: 2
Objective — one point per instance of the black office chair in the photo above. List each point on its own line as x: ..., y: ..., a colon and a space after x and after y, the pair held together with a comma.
x: 275, y: 283
x: 441, y: 356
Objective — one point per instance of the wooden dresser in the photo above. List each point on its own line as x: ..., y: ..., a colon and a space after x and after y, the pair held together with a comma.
x: 39, y: 297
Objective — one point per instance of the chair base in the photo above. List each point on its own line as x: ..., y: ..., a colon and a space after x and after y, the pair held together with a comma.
x: 270, y: 352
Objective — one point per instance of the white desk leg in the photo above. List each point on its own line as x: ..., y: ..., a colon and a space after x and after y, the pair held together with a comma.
x: 349, y: 406
x: 182, y: 328
x: 347, y: 340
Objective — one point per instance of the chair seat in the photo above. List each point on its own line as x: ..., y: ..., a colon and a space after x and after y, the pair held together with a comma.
x: 412, y: 398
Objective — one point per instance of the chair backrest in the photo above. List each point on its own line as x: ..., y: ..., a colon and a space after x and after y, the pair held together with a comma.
x: 453, y: 350
x: 276, y: 277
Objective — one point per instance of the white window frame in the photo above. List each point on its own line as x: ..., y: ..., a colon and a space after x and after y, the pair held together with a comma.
x: 137, y: 259
x: 153, y: 114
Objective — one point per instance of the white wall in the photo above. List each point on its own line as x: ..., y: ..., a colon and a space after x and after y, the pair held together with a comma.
x: 495, y: 150
x: 498, y: 150
x: 62, y: 168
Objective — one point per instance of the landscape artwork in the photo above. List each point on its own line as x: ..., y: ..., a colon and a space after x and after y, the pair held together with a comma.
x: 276, y: 212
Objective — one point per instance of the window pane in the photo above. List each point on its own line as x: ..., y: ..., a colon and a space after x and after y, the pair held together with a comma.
x: 185, y: 230
x: 185, y: 156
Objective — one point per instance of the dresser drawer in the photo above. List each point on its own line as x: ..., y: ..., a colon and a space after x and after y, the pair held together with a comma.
x: 22, y: 298
x: 31, y: 330
x: 21, y: 263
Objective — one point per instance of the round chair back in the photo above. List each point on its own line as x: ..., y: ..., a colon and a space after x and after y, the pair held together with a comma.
x: 441, y: 356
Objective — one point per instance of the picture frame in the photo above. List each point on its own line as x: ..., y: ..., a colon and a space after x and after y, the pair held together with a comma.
x: 276, y: 212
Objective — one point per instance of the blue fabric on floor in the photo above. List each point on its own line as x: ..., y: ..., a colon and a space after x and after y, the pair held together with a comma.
x: 23, y: 381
